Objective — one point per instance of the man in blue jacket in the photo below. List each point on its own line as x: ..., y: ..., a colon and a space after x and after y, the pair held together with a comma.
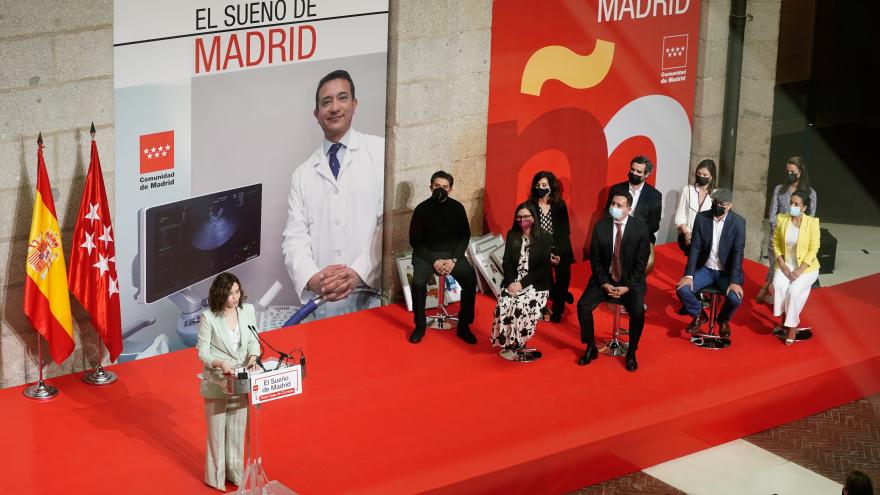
x: 716, y: 256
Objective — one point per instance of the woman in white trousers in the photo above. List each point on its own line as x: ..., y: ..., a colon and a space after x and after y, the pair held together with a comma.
x: 796, y: 246
x: 225, y: 342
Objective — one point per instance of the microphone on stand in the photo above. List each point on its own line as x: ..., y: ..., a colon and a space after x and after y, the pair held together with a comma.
x: 262, y: 351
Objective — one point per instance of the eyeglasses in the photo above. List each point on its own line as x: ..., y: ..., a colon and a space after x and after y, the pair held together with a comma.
x: 523, y: 217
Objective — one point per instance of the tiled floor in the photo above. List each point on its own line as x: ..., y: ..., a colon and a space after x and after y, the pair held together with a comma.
x: 810, y: 456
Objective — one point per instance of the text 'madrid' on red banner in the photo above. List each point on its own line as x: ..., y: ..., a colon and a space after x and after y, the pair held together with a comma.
x: 580, y: 88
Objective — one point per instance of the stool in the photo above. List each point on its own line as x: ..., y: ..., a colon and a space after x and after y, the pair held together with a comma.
x: 441, y: 319
x: 615, y: 346
x: 801, y: 333
x: 711, y: 339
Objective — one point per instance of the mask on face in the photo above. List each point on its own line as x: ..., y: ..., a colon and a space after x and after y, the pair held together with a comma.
x: 525, y: 223
x: 702, y: 181
x: 616, y: 213
x: 635, y: 179
x: 439, y: 194
x: 795, y: 211
x: 791, y: 178
x: 540, y: 192
x: 717, y: 209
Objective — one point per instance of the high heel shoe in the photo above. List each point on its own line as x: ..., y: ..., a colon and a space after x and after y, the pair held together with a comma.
x: 761, y: 295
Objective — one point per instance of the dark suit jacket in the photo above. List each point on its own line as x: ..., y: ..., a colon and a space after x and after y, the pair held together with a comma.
x: 648, y: 209
x: 561, y: 240
x: 730, y: 247
x: 634, y: 252
x: 539, y: 261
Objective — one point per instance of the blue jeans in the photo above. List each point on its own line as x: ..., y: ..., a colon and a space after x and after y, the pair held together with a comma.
x: 705, y: 277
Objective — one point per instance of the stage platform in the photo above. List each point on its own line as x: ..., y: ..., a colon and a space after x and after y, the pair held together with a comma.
x: 382, y: 416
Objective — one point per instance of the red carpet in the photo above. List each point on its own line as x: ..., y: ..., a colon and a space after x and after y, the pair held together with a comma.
x: 379, y: 415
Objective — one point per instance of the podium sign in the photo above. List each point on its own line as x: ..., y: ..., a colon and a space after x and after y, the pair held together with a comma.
x: 276, y: 384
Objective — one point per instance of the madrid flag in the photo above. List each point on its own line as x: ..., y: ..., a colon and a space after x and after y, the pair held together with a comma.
x: 93, y: 279
x: 46, y: 301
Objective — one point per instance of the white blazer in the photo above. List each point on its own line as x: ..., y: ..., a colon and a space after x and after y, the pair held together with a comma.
x: 336, y: 220
x: 215, y: 342
x: 689, y: 205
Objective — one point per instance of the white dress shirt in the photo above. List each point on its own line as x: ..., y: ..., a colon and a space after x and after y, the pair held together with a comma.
x: 717, y: 227
x: 336, y: 220
x: 636, y: 194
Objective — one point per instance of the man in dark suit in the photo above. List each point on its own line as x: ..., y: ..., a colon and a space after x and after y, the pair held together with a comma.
x: 647, y: 201
x: 716, y: 255
x: 619, y: 250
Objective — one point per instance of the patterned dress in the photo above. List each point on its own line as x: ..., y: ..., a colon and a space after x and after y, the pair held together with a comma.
x: 515, y: 317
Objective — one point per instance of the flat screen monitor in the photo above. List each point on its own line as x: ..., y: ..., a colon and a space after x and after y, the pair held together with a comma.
x: 187, y: 241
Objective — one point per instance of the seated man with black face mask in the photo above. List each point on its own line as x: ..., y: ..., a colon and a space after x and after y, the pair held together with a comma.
x: 717, y: 244
x: 439, y: 234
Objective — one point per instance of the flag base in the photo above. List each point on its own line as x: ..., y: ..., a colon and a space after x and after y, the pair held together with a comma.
x: 99, y: 376
x: 41, y: 391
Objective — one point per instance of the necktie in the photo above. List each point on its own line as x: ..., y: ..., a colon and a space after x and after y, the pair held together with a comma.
x: 616, y: 268
x: 334, y: 162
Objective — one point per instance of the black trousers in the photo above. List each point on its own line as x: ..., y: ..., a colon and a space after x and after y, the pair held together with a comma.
x: 559, y: 283
x: 463, y: 273
x: 633, y: 301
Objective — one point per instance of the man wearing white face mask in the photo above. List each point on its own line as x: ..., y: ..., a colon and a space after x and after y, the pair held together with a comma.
x: 619, y: 250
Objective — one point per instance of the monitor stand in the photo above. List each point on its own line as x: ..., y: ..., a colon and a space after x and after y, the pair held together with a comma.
x: 190, y: 315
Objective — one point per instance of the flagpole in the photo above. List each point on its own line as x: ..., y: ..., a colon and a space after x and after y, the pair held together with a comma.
x: 40, y: 391
x: 99, y: 376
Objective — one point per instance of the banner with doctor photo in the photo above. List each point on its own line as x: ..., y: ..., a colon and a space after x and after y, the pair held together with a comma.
x: 215, y: 109
x: 580, y: 88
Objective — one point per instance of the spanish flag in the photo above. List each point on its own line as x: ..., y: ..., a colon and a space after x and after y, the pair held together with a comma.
x: 46, y: 300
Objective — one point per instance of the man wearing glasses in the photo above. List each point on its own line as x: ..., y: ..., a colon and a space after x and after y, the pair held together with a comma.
x: 716, y: 255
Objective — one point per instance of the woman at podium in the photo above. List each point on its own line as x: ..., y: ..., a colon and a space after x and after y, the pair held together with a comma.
x: 226, y: 342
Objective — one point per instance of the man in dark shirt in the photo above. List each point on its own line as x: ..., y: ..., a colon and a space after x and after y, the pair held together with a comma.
x: 439, y: 234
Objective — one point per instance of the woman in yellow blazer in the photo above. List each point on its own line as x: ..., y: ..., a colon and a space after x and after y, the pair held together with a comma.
x: 225, y: 342
x: 795, y: 244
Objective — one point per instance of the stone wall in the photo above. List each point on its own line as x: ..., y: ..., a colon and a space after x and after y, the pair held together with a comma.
x: 56, y: 78
x: 756, y: 105
x: 438, y: 99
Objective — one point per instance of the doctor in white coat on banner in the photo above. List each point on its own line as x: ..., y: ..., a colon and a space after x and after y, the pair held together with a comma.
x: 333, y: 239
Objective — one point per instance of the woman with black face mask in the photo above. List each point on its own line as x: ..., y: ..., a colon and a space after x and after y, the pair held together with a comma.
x: 552, y: 220
x: 796, y: 179
x: 693, y: 199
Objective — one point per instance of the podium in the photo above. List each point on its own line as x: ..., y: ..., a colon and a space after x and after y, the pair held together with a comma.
x: 276, y: 384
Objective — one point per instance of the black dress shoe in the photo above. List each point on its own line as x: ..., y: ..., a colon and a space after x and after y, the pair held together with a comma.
x: 697, y: 322
x: 590, y: 354
x: 416, y: 336
x: 464, y: 333
x: 631, y: 364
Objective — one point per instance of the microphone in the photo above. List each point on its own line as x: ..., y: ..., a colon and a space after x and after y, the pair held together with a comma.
x: 262, y: 351
x: 304, y: 311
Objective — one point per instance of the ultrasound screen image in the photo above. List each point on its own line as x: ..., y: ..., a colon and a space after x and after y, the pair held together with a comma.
x: 193, y: 239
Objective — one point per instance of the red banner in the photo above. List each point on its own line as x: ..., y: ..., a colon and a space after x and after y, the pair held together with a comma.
x: 580, y: 88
